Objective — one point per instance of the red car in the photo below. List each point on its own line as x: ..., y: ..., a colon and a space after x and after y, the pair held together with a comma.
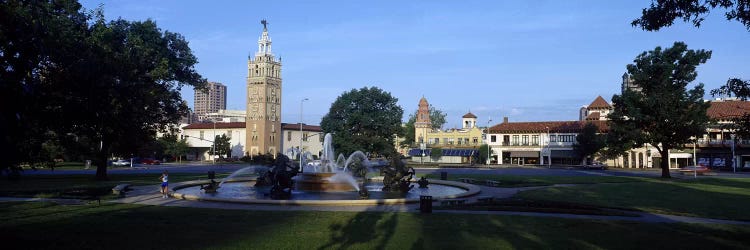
x: 701, y: 170
x: 150, y: 162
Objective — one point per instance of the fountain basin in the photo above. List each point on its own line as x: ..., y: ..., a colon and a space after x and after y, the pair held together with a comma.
x: 181, y: 191
x: 320, y: 182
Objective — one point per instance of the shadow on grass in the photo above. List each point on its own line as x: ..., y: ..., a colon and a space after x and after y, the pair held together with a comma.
x: 366, y: 228
x: 709, y: 197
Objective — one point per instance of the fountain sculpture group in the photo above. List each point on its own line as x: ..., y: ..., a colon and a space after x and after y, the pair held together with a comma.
x: 331, y: 175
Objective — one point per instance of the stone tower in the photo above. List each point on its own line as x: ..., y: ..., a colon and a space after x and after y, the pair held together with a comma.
x: 263, y: 123
x: 423, y: 125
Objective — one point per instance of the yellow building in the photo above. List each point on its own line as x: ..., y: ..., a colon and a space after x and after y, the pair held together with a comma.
x: 459, y: 145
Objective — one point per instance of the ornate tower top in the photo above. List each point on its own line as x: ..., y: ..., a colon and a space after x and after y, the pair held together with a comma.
x: 423, y: 113
x: 264, y: 42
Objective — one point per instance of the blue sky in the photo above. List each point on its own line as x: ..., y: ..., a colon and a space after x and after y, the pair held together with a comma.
x: 527, y: 60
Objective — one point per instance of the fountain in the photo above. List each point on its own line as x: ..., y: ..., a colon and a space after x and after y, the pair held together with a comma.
x: 330, y: 176
x: 335, y: 180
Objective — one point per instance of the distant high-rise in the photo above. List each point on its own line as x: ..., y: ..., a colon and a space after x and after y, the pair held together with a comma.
x: 211, y: 100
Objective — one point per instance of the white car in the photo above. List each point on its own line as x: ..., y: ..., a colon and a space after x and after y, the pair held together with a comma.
x: 121, y: 163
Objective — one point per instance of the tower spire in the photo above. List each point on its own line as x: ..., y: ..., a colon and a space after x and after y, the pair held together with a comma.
x: 264, y: 42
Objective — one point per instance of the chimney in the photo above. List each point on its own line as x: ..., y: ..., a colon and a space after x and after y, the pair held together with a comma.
x: 505, y: 119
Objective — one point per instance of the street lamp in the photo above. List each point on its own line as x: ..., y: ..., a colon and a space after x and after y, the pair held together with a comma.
x: 488, y: 141
x: 734, y: 166
x: 300, y: 133
x: 695, y: 160
x: 213, y: 155
x: 549, y: 162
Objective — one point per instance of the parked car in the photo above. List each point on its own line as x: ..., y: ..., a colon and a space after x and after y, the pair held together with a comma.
x: 149, y: 161
x: 121, y: 163
x: 596, y: 165
x: 697, y: 169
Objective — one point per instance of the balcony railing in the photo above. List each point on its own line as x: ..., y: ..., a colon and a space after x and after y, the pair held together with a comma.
x: 520, y: 144
x: 721, y: 142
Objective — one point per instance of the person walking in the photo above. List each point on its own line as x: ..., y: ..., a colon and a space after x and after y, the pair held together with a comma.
x: 164, y: 184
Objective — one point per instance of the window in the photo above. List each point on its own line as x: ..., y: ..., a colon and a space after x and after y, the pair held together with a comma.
x: 304, y: 136
x: 553, y: 138
x: 460, y: 140
x: 229, y: 134
x: 515, y: 140
x: 493, y: 138
x: 450, y: 141
x: 201, y: 136
x: 475, y: 140
x: 320, y: 137
x: 288, y: 135
x: 525, y: 140
x: 437, y: 140
x: 534, y: 140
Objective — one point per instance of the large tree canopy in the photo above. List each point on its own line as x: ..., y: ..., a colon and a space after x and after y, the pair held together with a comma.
x: 116, y: 83
x: 663, y: 113
x: 365, y: 119
x: 437, y: 119
x: 662, y: 13
x: 588, y: 142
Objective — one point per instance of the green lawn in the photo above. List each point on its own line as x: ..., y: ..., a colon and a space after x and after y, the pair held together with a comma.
x: 529, y: 181
x: 127, y: 226
x: 724, y: 198
x: 82, y: 185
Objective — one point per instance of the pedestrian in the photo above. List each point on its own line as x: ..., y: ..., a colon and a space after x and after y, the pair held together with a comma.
x: 164, y: 183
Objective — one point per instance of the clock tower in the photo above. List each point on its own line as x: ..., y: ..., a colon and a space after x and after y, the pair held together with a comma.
x: 263, y: 123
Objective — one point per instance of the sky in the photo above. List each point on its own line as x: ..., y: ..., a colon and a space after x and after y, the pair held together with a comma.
x: 525, y: 60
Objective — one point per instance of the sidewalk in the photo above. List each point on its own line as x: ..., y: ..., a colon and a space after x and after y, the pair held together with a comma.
x: 149, y: 195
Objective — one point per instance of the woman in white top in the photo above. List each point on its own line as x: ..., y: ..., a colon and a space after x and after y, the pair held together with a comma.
x: 164, y: 183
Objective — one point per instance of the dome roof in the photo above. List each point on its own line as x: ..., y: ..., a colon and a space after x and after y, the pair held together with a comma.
x: 470, y: 115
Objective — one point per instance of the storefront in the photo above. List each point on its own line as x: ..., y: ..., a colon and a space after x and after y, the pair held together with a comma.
x: 524, y: 157
x: 565, y: 157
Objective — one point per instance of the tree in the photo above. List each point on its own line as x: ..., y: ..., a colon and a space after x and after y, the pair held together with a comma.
x: 364, y: 119
x: 662, y: 13
x: 589, y: 142
x: 36, y: 37
x: 437, y: 120
x: 483, y: 153
x: 664, y: 113
x: 116, y: 83
x: 173, y: 146
x: 221, y: 146
x: 436, y: 153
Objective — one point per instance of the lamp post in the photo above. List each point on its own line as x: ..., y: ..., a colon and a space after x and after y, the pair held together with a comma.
x: 213, y: 156
x: 734, y: 166
x: 489, y: 149
x: 300, y: 134
x: 695, y: 160
x: 549, y: 159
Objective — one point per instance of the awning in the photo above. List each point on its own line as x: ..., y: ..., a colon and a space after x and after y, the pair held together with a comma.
x: 524, y: 153
x: 564, y: 154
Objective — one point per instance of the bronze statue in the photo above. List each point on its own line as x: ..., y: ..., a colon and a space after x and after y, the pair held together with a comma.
x: 264, y: 22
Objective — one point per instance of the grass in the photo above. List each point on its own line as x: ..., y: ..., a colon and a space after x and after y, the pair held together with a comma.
x: 82, y: 186
x: 530, y: 181
x: 127, y: 226
x: 722, y: 198
x: 540, y: 206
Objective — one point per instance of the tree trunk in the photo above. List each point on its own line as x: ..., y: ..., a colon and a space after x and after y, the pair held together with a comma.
x: 101, y: 161
x: 664, y: 164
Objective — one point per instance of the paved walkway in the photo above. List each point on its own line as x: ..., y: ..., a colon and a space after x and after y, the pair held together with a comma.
x: 149, y: 195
